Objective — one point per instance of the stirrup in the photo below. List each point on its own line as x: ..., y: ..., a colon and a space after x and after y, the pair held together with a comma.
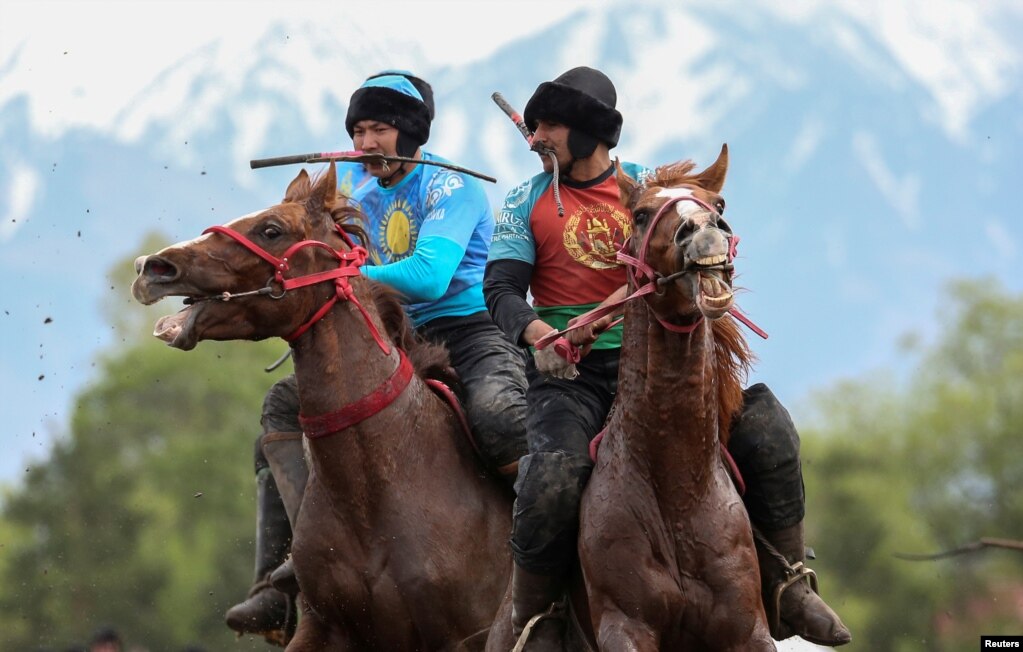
x: 796, y: 572
x: 556, y: 610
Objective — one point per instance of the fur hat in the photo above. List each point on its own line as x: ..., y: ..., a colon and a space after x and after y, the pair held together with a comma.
x: 425, y: 90
x: 582, y: 99
x: 393, y: 99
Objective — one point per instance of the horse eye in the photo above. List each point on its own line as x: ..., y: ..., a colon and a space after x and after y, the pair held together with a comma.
x: 271, y: 231
x: 641, y: 216
x: 720, y: 206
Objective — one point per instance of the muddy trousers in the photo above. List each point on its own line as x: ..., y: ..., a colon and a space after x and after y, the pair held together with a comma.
x: 266, y: 611
x: 492, y: 372
x: 281, y: 476
x: 765, y: 446
x: 564, y: 415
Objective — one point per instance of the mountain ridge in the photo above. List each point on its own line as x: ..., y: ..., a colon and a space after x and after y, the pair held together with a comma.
x: 847, y: 184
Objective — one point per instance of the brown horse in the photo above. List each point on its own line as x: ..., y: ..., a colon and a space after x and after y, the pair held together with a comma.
x: 665, y: 544
x: 401, y: 540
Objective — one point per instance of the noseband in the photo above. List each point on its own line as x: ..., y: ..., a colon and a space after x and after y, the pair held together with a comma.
x: 648, y: 280
x: 348, y: 266
x: 640, y: 272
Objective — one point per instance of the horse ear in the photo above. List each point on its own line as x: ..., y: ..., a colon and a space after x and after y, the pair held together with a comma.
x: 298, y: 188
x: 324, y: 194
x: 713, y: 178
x: 626, y: 184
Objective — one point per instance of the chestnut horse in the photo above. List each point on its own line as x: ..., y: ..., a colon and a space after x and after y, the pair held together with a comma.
x: 665, y: 544
x: 402, y: 540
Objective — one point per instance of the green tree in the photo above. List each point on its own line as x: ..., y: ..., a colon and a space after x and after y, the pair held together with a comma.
x: 923, y: 467
x: 142, y: 517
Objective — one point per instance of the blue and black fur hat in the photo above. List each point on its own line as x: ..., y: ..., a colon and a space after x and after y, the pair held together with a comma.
x: 425, y: 90
x: 393, y: 98
x: 583, y: 99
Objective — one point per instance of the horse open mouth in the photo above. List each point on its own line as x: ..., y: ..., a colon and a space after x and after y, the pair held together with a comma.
x: 715, y: 297
x: 178, y: 330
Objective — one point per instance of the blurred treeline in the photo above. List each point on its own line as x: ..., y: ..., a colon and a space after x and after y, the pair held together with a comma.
x: 142, y: 518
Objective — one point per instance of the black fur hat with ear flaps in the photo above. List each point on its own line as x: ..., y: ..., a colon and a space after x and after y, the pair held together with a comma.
x: 582, y: 99
x: 395, y: 100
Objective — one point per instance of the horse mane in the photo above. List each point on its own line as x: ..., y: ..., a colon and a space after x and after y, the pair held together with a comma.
x: 732, y: 364
x: 430, y: 360
x: 673, y: 174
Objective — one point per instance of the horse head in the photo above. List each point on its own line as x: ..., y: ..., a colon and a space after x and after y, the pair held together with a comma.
x: 237, y: 279
x: 680, y: 241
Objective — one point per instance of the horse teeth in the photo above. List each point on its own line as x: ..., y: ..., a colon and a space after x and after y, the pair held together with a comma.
x: 722, y: 300
x: 712, y: 260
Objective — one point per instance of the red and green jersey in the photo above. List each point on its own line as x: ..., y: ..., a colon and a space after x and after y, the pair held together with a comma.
x: 574, y: 256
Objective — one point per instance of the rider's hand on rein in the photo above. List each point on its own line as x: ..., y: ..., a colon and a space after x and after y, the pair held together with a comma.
x: 558, y: 359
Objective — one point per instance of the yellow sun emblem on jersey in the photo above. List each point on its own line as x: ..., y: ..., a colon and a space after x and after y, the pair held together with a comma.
x: 594, y: 234
x: 397, y: 230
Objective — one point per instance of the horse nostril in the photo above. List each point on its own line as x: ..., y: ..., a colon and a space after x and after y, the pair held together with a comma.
x: 139, y: 262
x: 157, y: 269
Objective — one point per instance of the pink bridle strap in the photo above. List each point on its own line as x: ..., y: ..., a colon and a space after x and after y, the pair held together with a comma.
x: 349, y: 260
x: 591, y: 316
x: 327, y: 424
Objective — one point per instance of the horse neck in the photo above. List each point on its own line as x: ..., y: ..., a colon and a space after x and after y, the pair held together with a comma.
x: 337, y: 362
x: 667, y: 397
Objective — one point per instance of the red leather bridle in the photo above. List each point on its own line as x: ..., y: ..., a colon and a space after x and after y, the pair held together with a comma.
x: 349, y: 263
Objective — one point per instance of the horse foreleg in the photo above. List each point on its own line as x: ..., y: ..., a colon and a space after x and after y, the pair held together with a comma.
x: 618, y: 632
x: 759, y: 641
x: 500, y: 638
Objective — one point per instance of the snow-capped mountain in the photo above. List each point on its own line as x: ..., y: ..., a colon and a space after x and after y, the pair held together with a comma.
x: 875, y: 151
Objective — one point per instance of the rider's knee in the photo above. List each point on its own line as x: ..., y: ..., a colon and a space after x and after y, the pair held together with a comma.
x: 280, y: 407
x: 496, y: 409
x: 546, y: 513
x: 763, y: 435
x: 259, y: 456
x: 551, y: 484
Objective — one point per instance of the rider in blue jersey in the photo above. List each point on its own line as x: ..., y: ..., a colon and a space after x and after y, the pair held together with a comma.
x: 429, y: 231
x: 429, y: 234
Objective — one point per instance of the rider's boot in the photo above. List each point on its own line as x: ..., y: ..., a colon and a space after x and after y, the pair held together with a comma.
x: 267, y: 611
x: 538, y: 605
x: 284, y: 453
x: 790, y: 592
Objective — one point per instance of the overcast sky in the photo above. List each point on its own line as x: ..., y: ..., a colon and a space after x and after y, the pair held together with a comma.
x: 88, y: 65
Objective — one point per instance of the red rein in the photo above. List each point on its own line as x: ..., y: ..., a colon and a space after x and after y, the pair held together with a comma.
x: 348, y: 266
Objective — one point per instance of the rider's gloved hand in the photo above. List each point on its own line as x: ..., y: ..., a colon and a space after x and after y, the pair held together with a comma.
x: 557, y: 359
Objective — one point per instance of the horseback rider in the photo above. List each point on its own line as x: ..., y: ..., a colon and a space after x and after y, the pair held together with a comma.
x: 429, y: 230
x: 564, y: 262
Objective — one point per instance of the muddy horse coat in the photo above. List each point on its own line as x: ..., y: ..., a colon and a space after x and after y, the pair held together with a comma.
x: 401, y: 541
